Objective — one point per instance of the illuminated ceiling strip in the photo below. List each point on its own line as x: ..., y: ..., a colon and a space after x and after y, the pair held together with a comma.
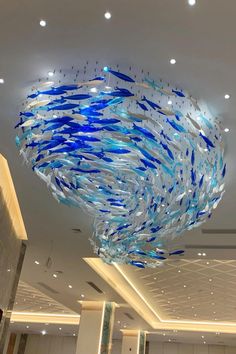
x: 31, y: 317
x: 169, y: 321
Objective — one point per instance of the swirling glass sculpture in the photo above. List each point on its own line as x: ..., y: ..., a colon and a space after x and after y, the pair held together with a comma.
x: 144, y: 158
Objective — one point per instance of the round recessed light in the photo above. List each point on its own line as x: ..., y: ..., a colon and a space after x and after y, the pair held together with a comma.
x: 170, y: 102
x: 204, y: 254
x: 82, y: 295
x: 203, y: 337
x: 27, y: 327
x: 227, y: 96
x: 94, y: 90
x: 212, y: 293
x: 192, y: 2
x: 74, y: 334
x: 185, y: 286
x: 173, y: 61
x: 54, y: 275
x: 70, y: 286
x: 199, y: 254
x: 155, y: 278
x: 59, y: 328
x: 44, y: 332
x: 210, y: 279
x: 9, y: 270
x: 204, y: 342
x: 36, y: 262
x: 107, y: 15
x: 50, y: 73
x: 43, y: 23
x: 2, y: 81
x: 226, y: 130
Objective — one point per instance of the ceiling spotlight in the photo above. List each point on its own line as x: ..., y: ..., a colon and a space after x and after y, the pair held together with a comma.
x: 169, y: 102
x: 74, y: 334
x: 227, y: 96
x: 9, y: 270
x: 70, y: 286
x: 185, y: 286
x: 60, y: 329
x: 173, y: 61
x: 199, y: 254
x: 107, y: 15
x: 44, y: 332
x: 94, y: 90
x: 203, y: 337
x: 226, y: 130
x: 36, y: 262
x: 210, y: 279
x: 192, y: 2
x: 2, y: 81
x: 50, y: 73
x: 43, y: 23
x: 204, y: 254
x: 204, y: 342
x: 82, y: 295
x: 55, y: 275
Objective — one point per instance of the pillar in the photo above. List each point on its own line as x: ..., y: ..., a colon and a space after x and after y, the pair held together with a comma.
x: 133, y: 342
x: 95, y: 328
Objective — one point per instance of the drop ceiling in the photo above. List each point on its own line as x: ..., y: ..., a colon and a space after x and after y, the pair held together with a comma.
x: 202, y: 40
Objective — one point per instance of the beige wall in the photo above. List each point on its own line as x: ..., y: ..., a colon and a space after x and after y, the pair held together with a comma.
x: 38, y: 344
x: 176, y: 348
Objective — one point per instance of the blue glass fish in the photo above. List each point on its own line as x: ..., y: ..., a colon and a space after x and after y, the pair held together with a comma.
x: 119, y: 75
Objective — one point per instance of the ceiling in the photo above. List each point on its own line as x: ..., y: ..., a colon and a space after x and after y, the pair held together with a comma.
x: 202, y: 40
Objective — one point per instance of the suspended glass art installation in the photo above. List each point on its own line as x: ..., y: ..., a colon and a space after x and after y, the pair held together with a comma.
x: 144, y: 158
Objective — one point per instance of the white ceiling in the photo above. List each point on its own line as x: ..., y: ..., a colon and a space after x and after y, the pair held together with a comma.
x: 201, y: 38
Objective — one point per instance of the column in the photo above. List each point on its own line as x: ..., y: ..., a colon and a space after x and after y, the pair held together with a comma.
x: 95, y: 328
x: 133, y: 342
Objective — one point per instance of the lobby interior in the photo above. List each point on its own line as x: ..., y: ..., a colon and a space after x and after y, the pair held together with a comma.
x: 57, y: 296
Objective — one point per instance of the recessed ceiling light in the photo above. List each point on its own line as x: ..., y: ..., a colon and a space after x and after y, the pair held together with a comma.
x: 9, y: 270
x: 185, y: 286
x: 204, y: 342
x: 44, y: 332
x: 203, y: 337
x: 212, y: 293
x: 27, y: 326
x: 60, y: 329
x: 207, y: 263
x: 36, y: 262
x: 199, y: 254
x: 226, y: 130
x: 94, y: 90
x: 192, y: 2
x: 179, y: 271
x: 118, y: 322
x: 164, y: 334
x: 173, y: 61
x: 2, y: 81
x: 50, y: 73
x: 210, y: 279
x: 70, y: 286
x: 169, y: 102
x: 227, y: 96
x: 204, y: 254
x: 169, y: 340
x: 55, y: 275
x: 74, y: 334
x: 155, y: 278
x: 54, y: 116
x: 107, y: 15
x: 43, y: 23
x: 82, y: 295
